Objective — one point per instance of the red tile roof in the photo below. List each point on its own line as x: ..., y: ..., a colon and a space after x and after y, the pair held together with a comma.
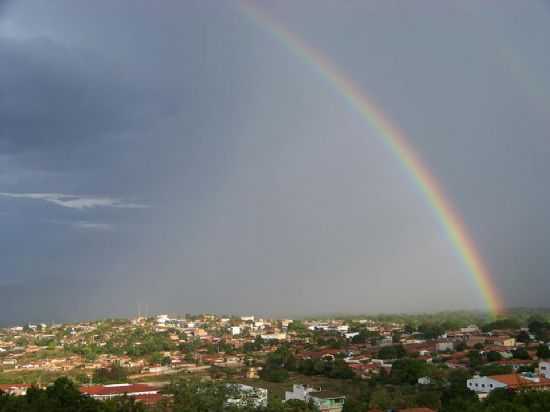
x: 151, y: 399
x: 5, y: 386
x: 511, y: 379
x: 105, y: 390
x: 516, y: 381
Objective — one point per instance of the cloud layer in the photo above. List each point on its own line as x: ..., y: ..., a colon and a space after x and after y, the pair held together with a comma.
x: 76, y: 201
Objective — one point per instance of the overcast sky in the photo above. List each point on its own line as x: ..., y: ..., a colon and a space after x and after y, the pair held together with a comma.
x: 174, y: 157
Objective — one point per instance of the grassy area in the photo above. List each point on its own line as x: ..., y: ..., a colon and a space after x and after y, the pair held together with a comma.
x: 30, y: 377
x: 168, y: 377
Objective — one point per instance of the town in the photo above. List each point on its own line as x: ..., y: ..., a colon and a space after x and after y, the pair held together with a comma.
x: 441, y: 362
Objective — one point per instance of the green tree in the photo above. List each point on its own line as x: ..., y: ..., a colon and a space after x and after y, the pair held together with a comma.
x: 114, y: 374
x: 493, y: 369
x: 407, y: 371
x: 493, y: 356
x: 392, y: 352
x: 523, y: 337
x: 521, y: 353
x: 195, y: 395
x: 475, y: 359
x: 543, y: 352
x: 431, y: 330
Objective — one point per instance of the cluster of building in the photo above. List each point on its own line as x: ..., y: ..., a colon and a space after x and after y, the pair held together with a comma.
x: 208, y: 342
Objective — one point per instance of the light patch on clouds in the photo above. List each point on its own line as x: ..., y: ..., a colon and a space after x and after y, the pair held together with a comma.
x: 100, y: 227
x: 76, y: 201
x: 84, y: 225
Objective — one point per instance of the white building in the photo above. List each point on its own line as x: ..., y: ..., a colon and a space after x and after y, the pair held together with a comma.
x: 247, y: 396
x: 235, y: 330
x: 544, y: 368
x: 14, y: 389
x: 105, y: 392
x: 485, y: 384
x: 274, y: 336
x: 323, y: 400
x: 444, y: 346
x: 162, y: 319
x: 425, y: 380
x: 470, y: 329
x: 286, y: 322
x: 299, y: 392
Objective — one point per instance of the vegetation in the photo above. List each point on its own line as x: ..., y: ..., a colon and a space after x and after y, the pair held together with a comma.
x: 63, y: 396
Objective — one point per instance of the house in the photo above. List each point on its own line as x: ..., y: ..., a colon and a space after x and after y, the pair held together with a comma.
x: 515, y: 364
x: 15, y: 389
x: 425, y: 380
x: 365, y: 370
x: 325, y: 401
x: 246, y: 396
x: 9, y: 362
x: 483, y: 385
x: 386, y: 341
x: 544, y: 368
x: 475, y: 339
x: 506, y: 341
x: 253, y: 373
x: 274, y: 336
x: 105, y: 392
x: 444, y: 346
x: 470, y: 329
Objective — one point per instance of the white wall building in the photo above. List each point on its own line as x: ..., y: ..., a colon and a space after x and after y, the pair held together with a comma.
x: 247, y: 396
x: 299, y: 392
x: 274, y: 336
x: 544, y: 368
x: 324, y: 401
x: 162, y: 319
x: 470, y: 329
x: 444, y: 346
x: 484, y: 384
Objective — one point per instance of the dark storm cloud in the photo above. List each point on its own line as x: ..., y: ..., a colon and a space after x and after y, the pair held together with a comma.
x: 54, y: 96
x: 265, y: 190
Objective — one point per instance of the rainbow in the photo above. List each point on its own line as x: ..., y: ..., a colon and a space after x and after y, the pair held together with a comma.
x: 395, y: 139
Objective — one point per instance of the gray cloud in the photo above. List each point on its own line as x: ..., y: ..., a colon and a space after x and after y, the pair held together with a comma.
x: 76, y: 201
x: 268, y: 191
x: 95, y: 226
x: 55, y: 95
